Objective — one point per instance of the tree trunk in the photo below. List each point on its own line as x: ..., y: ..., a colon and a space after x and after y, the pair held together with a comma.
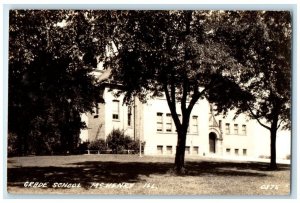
x: 273, y: 164
x: 180, y: 152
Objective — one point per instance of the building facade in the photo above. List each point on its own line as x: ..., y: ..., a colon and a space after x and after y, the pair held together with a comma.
x: 208, y: 134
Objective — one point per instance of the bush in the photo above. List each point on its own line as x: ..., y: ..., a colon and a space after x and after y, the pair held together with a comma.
x: 118, y: 142
x: 82, y: 147
x: 135, y: 145
x: 99, y: 144
x: 132, y: 145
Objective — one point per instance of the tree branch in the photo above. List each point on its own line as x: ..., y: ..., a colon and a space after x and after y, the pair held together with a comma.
x: 197, y: 95
x: 194, y: 99
x: 279, y: 123
x: 173, y: 95
x: 172, y: 105
x: 256, y: 117
x: 183, y: 98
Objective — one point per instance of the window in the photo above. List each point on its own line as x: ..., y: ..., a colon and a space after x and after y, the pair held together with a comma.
x: 129, y: 116
x: 236, y: 129
x: 159, y: 149
x: 227, y: 128
x: 211, y: 108
x: 195, y: 124
x: 220, y: 124
x: 169, y: 149
x: 187, y: 150
x: 227, y: 150
x: 244, y: 152
x: 169, y: 122
x: 96, y: 111
x: 195, y: 150
x: 115, y: 109
x: 244, y: 130
x: 159, y: 121
x: 236, y: 151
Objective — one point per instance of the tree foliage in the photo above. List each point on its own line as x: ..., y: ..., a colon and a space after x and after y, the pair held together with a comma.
x: 169, y: 53
x: 237, y: 59
x: 49, y: 80
x: 261, y: 43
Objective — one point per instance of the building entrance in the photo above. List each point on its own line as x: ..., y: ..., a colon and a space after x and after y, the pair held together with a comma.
x: 212, y: 142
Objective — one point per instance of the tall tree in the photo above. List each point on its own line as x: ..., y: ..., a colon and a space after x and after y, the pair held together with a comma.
x: 49, y: 82
x: 170, y: 53
x: 260, y: 41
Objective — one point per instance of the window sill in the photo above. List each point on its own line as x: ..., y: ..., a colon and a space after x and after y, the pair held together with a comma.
x: 235, y: 134
x: 193, y: 134
x: 162, y: 132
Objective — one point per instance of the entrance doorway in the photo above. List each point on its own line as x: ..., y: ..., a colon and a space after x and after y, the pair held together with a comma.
x: 212, y: 142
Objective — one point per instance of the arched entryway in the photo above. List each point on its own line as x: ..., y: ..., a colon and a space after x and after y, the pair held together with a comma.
x: 212, y: 142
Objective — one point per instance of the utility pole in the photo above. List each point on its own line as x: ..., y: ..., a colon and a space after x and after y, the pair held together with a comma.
x: 135, y: 127
x: 134, y: 121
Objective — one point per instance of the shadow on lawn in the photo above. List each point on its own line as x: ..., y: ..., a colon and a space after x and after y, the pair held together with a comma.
x: 117, y: 172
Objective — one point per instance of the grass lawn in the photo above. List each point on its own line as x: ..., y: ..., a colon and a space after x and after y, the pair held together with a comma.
x: 131, y: 174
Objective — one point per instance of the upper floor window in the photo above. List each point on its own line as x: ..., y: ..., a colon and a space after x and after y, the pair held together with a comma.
x: 115, y: 109
x: 195, y: 124
x: 159, y: 122
x: 168, y: 122
x: 129, y: 116
x: 211, y: 108
x: 96, y: 115
x: 244, y: 130
x: 227, y: 128
x: 236, y: 129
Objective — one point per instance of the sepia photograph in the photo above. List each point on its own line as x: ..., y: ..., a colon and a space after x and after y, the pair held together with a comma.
x: 149, y: 102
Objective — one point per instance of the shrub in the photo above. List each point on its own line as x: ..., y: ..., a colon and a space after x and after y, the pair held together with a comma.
x: 133, y: 145
x: 118, y: 142
x: 98, y: 144
x: 82, y: 147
